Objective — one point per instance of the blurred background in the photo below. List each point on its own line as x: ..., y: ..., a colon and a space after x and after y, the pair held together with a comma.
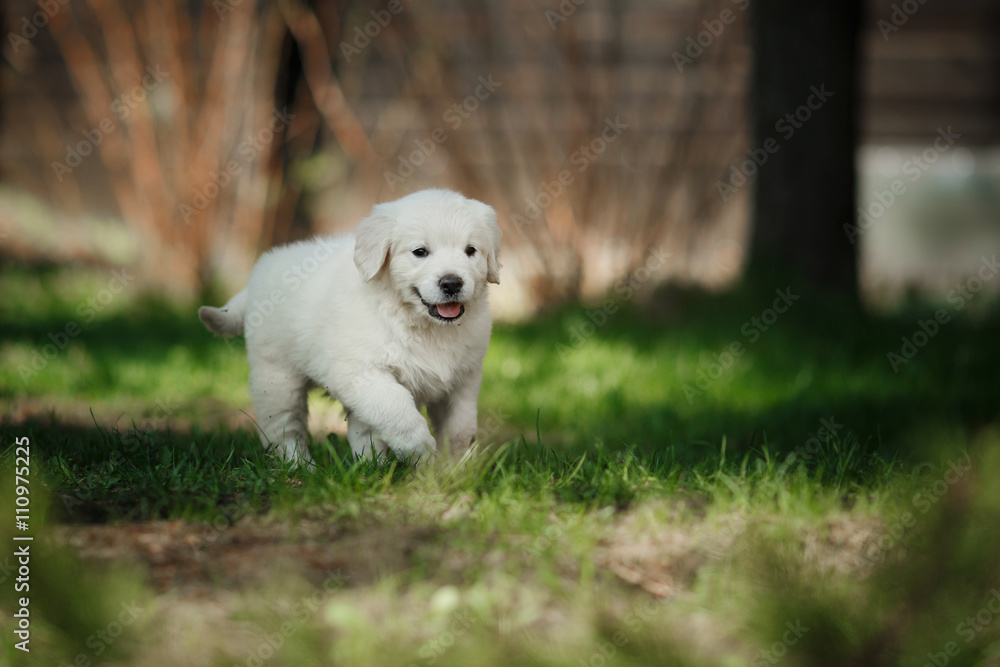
x: 183, y: 139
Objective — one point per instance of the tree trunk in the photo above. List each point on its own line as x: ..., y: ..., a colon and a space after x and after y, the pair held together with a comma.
x: 804, y: 102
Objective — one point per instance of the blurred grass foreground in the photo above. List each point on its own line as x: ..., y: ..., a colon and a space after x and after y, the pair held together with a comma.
x: 647, y: 495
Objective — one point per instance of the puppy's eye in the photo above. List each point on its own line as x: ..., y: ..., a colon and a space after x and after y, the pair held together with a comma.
x: 420, y: 252
x: 470, y: 251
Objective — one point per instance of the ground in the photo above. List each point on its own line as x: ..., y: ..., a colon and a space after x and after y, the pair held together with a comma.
x: 739, y: 478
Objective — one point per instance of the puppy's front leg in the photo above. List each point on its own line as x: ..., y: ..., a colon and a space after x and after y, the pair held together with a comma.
x: 364, y: 442
x: 454, y: 416
x: 378, y: 400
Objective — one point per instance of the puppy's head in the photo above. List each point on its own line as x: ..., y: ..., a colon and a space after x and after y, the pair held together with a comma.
x: 435, y: 249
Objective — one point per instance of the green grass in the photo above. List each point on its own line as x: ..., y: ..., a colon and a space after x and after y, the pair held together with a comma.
x: 799, y: 486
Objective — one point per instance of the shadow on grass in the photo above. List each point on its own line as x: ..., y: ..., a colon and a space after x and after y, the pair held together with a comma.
x: 816, y: 378
x: 823, y: 361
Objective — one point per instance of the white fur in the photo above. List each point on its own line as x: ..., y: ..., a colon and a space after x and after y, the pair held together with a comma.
x: 343, y: 313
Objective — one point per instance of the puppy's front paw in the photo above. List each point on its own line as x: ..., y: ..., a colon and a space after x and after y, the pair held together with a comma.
x: 420, y: 451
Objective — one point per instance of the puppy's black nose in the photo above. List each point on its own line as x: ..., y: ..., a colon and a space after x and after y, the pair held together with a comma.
x: 450, y: 284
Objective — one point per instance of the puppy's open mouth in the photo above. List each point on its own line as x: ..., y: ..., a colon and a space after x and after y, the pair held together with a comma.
x: 446, y: 312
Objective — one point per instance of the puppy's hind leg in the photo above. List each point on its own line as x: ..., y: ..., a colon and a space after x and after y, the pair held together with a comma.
x: 279, y: 399
x: 454, y: 416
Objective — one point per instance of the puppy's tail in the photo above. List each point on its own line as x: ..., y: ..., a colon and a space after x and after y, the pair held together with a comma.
x: 228, y: 320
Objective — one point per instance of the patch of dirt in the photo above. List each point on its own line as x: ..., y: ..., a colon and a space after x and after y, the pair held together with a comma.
x: 121, y: 415
x: 187, y: 557
x: 662, y: 564
x: 665, y: 561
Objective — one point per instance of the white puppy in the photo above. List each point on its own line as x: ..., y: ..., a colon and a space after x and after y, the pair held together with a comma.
x: 390, y: 319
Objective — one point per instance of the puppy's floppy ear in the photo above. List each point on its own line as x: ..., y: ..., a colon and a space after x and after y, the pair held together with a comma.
x: 372, y: 240
x: 488, y: 217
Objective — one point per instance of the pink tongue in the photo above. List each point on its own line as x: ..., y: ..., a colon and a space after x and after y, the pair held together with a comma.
x: 449, y: 310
